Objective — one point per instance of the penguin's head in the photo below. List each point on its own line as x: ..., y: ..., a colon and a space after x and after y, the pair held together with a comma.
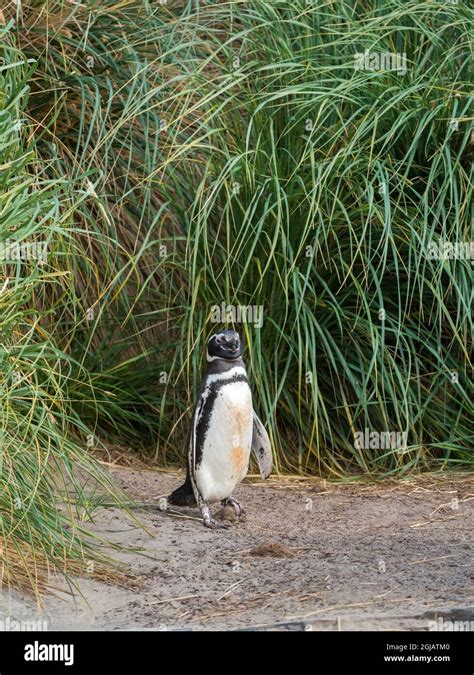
x: 224, y: 345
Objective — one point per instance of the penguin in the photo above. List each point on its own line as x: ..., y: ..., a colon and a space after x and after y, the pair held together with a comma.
x: 224, y: 430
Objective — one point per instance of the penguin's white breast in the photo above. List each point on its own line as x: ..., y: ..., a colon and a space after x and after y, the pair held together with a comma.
x: 227, y: 444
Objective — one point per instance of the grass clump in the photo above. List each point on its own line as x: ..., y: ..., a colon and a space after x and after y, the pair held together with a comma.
x: 49, y: 483
x: 307, y: 158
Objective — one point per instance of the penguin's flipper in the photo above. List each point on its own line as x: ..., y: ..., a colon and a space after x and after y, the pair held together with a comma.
x: 261, y: 447
x: 194, y: 457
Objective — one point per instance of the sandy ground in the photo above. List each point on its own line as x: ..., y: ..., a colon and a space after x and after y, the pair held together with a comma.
x: 310, y: 555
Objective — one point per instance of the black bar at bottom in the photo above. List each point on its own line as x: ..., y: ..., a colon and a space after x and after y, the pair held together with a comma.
x: 150, y: 651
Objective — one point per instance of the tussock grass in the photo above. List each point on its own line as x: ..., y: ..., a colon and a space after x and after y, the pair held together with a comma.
x: 49, y: 484
x: 231, y: 152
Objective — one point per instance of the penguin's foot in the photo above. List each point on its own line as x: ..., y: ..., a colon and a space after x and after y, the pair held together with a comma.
x: 209, y: 521
x: 231, y: 501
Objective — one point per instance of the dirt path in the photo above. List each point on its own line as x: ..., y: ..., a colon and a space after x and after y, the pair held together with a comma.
x: 356, y: 557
